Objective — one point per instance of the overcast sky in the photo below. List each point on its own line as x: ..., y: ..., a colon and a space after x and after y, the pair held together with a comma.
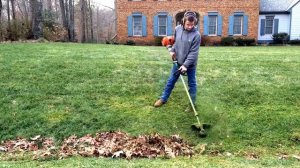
x: 109, y: 3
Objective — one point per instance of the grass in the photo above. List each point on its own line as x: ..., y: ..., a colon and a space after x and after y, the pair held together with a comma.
x: 251, y: 96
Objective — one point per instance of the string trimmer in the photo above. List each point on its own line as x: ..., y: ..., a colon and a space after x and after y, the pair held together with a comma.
x: 197, y: 126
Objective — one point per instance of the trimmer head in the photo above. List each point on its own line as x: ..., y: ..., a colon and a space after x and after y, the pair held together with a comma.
x: 198, y: 127
x: 201, y: 129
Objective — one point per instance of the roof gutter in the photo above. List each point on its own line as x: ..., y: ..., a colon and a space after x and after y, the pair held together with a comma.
x: 273, y: 12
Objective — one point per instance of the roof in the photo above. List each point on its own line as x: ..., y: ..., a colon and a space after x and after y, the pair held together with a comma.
x: 293, y: 4
x: 276, y: 5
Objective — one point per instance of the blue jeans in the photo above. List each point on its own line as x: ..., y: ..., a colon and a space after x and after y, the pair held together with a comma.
x: 192, y: 83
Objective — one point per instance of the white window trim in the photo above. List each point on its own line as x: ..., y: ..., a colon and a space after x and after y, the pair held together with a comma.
x: 158, y: 25
x: 216, y: 32
x: 272, y: 25
x: 242, y: 25
x: 133, y: 27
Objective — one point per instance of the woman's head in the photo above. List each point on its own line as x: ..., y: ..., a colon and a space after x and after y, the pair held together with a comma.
x: 189, y: 20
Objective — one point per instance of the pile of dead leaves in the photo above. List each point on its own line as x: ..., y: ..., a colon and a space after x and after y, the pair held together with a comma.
x: 104, y: 144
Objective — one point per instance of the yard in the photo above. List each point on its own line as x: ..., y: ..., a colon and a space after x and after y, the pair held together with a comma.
x: 251, y: 96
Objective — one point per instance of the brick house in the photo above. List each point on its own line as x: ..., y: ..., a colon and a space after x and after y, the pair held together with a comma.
x: 144, y: 20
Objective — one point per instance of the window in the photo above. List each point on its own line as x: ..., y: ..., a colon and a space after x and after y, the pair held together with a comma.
x: 237, y: 24
x: 269, y: 25
x: 137, y: 25
x: 162, y: 25
x: 212, y: 25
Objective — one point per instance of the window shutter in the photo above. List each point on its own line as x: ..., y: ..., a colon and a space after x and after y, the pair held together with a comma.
x: 220, y: 24
x: 276, y: 24
x: 169, y: 26
x: 144, y: 25
x: 230, y: 31
x: 129, y: 26
x: 245, y: 25
x: 205, y: 24
x: 262, y: 26
x: 155, y: 25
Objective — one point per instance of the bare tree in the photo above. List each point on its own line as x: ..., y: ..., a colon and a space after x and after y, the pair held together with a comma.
x: 83, y: 26
x: 49, y: 5
x: 71, y: 22
x: 91, y: 21
x: 63, y: 13
x: 0, y: 10
x: 8, y: 14
x: 24, y: 19
x: 1, y: 33
x: 25, y: 9
x: 37, y: 18
x: 13, y: 9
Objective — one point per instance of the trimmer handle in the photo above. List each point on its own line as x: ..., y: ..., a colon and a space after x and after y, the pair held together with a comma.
x: 178, y: 72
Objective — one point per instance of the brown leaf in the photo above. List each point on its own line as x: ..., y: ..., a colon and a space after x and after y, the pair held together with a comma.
x: 118, y: 154
x: 3, y: 149
x: 169, y: 152
x: 35, y: 138
x: 296, y: 157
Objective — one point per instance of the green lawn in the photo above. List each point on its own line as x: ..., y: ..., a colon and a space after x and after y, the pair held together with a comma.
x: 251, y: 96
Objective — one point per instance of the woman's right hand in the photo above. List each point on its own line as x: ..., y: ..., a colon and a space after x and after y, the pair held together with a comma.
x: 173, y: 55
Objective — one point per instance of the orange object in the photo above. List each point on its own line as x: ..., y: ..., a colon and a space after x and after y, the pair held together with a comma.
x: 168, y: 40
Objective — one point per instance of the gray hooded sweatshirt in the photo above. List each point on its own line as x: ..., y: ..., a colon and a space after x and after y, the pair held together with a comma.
x: 186, y: 46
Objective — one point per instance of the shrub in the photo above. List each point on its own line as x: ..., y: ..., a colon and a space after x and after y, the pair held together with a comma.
x: 244, y: 41
x: 294, y: 42
x: 280, y: 38
x: 227, y: 41
x: 157, y: 40
x: 56, y: 33
x: 205, y: 41
x: 130, y: 42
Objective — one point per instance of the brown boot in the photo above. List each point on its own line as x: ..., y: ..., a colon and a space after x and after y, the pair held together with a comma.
x: 159, y: 103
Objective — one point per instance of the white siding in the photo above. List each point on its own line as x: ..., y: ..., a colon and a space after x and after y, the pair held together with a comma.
x: 284, y: 25
x: 295, y: 27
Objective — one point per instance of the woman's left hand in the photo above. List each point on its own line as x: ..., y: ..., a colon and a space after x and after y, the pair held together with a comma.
x: 182, y: 69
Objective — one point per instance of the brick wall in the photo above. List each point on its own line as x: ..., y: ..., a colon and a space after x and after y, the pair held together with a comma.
x: 149, y: 8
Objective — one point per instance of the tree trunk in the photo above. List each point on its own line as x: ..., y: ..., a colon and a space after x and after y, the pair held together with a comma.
x: 1, y: 20
x: 71, y: 21
x: 14, y: 29
x: 0, y: 10
x: 37, y: 18
x: 63, y: 13
x: 25, y: 11
x: 8, y: 14
x: 13, y: 9
x: 98, y: 25
x: 49, y: 5
x: 8, y: 21
x: 56, y: 10
x: 91, y: 21
x: 83, y: 37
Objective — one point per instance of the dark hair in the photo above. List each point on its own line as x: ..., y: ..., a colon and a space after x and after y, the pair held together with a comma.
x: 190, y: 16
